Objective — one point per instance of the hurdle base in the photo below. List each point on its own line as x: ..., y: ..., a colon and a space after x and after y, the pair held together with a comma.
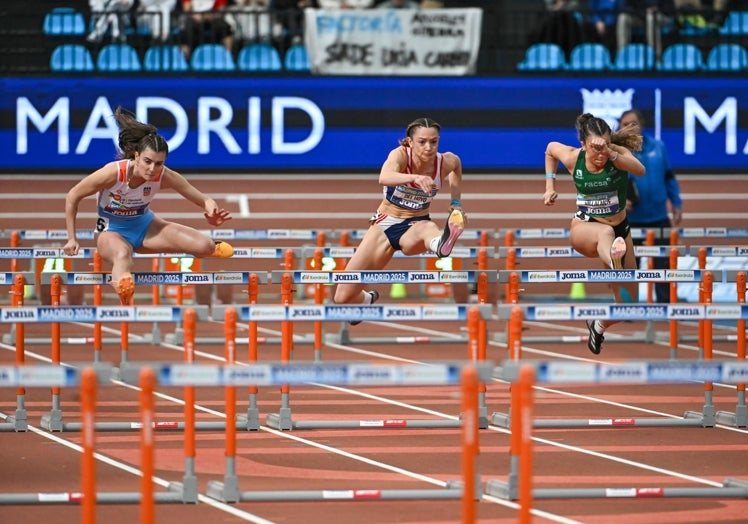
x: 503, y: 420
x: 348, y: 495
x: 501, y: 489
x: 18, y: 423
x: 226, y: 491
x: 250, y: 421
x: 638, y: 336
x: 176, y: 338
x: 731, y: 488
x: 739, y: 419
x: 459, y: 485
x: 281, y: 420
x: 690, y: 419
x: 187, y: 489
x: 707, y: 416
x: 53, y: 421
x: 374, y: 424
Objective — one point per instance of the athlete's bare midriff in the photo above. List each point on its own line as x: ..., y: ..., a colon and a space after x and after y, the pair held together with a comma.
x: 392, y: 210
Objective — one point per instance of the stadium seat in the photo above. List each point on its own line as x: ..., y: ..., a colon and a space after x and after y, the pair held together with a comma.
x: 736, y: 23
x: 212, y: 57
x: 682, y: 57
x: 727, y: 57
x: 543, y: 57
x: 64, y: 21
x: 635, y: 57
x: 165, y: 58
x: 118, y: 57
x: 259, y: 57
x: 589, y: 57
x: 71, y: 57
x: 297, y: 59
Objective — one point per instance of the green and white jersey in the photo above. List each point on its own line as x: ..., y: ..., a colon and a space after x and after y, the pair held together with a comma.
x: 600, y: 194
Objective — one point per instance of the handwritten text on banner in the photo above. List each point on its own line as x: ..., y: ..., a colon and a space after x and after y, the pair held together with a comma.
x: 429, y: 42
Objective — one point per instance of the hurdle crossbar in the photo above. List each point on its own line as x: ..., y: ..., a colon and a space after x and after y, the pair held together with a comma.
x: 707, y: 312
x: 384, y: 277
x: 468, y: 375
x: 283, y: 419
x: 524, y: 375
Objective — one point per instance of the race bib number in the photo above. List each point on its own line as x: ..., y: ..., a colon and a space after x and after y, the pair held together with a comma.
x: 102, y: 224
x: 599, y: 203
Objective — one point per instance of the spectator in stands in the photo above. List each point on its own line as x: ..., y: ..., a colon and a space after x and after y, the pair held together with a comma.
x: 701, y: 15
x: 599, y: 228
x: 204, y: 21
x: 602, y: 22
x: 291, y: 14
x: 650, y: 17
x: 657, y: 195
x: 345, y: 4
x: 253, y: 21
x: 109, y: 17
x: 399, y: 4
x: 559, y: 24
x: 155, y: 15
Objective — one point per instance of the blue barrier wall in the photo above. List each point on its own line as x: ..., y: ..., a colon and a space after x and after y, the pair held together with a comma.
x: 349, y: 124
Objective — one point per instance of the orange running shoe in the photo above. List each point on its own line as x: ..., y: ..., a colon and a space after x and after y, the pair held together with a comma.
x: 126, y: 289
x: 223, y: 250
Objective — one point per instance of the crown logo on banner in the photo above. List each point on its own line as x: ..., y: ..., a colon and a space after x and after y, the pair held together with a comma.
x: 607, y: 104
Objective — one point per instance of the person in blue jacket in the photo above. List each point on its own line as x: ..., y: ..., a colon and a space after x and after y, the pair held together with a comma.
x: 657, y: 204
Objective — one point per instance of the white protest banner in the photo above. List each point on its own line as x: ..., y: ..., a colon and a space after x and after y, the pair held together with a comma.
x: 427, y: 42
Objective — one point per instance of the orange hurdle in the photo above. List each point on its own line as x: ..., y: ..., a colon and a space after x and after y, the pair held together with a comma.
x: 88, y: 389
x: 470, y: 444
x: 740, y: 417
x: 523, y: 440
x: 147, y: 408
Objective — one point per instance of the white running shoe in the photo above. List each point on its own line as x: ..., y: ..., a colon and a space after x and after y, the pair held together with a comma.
x: 617, y: 252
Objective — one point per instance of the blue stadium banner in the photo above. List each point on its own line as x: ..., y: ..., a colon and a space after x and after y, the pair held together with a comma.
x: 393, y: 41
x: 348, y: 124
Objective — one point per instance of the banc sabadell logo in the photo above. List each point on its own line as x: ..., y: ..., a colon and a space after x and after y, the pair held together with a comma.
x: 607, y: 104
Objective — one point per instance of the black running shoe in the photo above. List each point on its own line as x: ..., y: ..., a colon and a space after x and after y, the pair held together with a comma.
x: 595, y: 339
x: 374, y: 297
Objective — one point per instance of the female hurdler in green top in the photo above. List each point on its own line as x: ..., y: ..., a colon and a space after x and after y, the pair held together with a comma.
x: 599, y: 228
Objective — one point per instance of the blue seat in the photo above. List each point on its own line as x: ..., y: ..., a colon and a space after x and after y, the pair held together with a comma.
x: 635, y: 57
x: 118, y: 57
x: 589, y: 57
x: 165, y: 58
x: 71, y: 57
x: 297, y: 58
x: 64, y: 21
x: 543, y: 57
x: 212, y: 57
x: 736, y: 23
x: 727, y: 57
x: 681, y: 57
x: 259, y: 57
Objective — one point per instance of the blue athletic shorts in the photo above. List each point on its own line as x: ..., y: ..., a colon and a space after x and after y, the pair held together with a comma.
x: 393, y: 227
x: 133, y: 230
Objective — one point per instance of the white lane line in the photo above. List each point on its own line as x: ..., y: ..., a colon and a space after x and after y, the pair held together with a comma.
x: 232, y: 510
